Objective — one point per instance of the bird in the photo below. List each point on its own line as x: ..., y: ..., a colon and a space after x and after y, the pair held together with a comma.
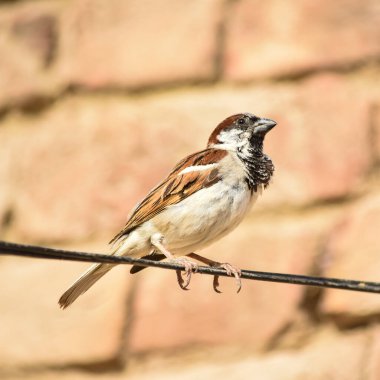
x: 203, y: 198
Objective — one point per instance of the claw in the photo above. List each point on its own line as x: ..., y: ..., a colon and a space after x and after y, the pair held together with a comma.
x: 180, y: 280
x: 231, y: 271
x: 215, y: 284
x: 190, y: 267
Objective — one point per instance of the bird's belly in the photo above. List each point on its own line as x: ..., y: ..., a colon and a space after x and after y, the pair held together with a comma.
x: 204, y: 217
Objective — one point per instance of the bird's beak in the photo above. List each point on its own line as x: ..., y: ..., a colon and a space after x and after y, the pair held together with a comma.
x: 263, y: 126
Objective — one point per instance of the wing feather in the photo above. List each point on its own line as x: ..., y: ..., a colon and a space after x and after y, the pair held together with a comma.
x: 176, y: 187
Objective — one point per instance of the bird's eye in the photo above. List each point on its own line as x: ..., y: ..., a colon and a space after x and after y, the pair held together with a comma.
x: 241, y: 121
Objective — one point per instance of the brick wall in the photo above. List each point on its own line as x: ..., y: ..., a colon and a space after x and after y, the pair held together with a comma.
x: 100, y: 98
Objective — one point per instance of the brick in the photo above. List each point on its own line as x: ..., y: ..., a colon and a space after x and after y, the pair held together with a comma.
x: 87, y: 181
x: 322, y: 144
x: 139, y: 43
x: 34, y: 332
x: 320, y: 359
x: 273, y: 38
x: 373, y: 367
x: 85, y: 163
x: 376, y: 131
x: 353, y: 253
x: 28, y: 43
x: 166, y: 317
x: 5, y: 195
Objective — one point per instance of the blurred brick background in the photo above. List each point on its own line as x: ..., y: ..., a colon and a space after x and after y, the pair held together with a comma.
x: 99, y: 99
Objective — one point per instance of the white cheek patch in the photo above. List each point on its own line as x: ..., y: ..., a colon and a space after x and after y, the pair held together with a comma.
x: 199, y: 168
x: 229, y: 136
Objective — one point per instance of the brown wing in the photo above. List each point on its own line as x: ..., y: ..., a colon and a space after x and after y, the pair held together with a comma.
x: 175, y: 188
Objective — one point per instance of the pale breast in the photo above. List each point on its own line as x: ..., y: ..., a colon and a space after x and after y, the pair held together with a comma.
x: 205, y: 216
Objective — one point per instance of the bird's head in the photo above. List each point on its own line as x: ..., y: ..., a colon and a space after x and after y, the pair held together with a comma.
x: 240, y: 131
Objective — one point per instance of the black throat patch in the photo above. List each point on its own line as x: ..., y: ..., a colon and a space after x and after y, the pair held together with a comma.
x: 259, y: 167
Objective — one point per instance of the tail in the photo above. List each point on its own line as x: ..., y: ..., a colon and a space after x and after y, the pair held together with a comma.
x: 84, y: 282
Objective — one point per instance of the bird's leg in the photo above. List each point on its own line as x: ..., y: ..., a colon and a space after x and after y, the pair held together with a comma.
x: 231, y: 270
x: 190, y: 267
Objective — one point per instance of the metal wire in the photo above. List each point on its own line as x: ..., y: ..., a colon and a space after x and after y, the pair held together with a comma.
x: 22, y: 250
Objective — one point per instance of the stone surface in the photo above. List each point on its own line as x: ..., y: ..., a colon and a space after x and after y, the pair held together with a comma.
x: 373, y: 368
x: 5, y: 194
x: 376, y: 131
x: 353, y: 252
x: 276, y: 38
x: 85, y: 164
x: 167, y: 317
x: 28, y: 43
x: 79, y: 146
x: 34, y: 331
x: 88, y: 160
x: 139, y: 43
x: 328, y: 356
x: 322, y: 144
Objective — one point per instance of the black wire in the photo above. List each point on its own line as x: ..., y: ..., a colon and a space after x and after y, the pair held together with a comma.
x: 14, y: 249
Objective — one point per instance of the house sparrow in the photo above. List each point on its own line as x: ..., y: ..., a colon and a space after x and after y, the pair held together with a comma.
x: 205, y: 197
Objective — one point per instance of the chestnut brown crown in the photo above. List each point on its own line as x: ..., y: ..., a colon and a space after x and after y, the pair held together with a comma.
x: 239, y: 127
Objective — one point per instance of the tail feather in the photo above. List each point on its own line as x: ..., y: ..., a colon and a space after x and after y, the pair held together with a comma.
x: 80, y: 286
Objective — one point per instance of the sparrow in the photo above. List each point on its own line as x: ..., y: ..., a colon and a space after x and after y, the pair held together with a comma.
x: 204, y: 197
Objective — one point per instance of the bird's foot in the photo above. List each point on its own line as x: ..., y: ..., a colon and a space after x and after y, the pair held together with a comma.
x: 231, y: 271
x: 190, y: 267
